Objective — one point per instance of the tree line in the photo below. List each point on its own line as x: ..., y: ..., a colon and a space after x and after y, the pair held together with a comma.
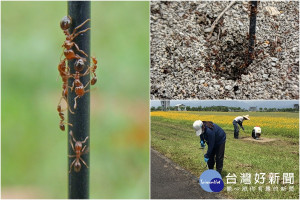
x: 226, y: 109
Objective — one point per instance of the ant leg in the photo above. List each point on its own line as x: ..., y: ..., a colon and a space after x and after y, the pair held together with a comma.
x: 71, y: 156
x: 73, y: 85
x: 71, y: 133
x: 72, y: 165
x: 68, y: 124
x: 80, y: 33
x: 84, y: 141
x: 86, y: 72
x: 81, y: 51
x: 83, y: 162
x: 72, y: 145
x: 83, y: 148
x: 87, y: 85
x: 79, y: 26
x: 75, y: 104
x: 68, y: 106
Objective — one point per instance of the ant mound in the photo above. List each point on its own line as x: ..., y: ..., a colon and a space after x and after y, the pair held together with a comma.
x: 261, y: 140
x: 228, y: 58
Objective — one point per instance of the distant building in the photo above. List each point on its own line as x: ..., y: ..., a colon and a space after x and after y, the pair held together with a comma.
x: 253, y: 109
x: 180, y: 107
x: 165, y: 104
x: 296, y: 106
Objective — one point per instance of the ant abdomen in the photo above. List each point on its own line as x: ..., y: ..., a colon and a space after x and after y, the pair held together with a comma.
x: 62, y: 127
x: 93, y: 81
x: 65, y: 22
x: 77, y: 166
x: 69, y: 54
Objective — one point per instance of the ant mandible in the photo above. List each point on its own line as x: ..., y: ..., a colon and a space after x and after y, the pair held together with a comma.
x: 62, y: 118
x: 68, y: 43
x: 78, y: 152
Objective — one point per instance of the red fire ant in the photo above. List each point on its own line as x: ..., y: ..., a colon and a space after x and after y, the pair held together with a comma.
x: 93, y: 68
x: 79, y: 88
x: 78, y: 152
x: 62, y: 118
x: 64, y: 72
x: 68, y: 43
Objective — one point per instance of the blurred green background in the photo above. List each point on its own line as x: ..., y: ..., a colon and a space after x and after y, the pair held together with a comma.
x: 34, y: 150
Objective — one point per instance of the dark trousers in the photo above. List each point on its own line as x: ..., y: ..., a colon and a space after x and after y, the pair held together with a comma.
x: 236, y: 129
x: 217, y: 156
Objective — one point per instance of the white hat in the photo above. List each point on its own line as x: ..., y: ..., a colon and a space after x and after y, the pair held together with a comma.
x: 246, y: 117
x: 198, y: 127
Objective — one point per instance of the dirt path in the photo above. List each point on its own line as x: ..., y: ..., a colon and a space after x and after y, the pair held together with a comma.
x: 170, y: 181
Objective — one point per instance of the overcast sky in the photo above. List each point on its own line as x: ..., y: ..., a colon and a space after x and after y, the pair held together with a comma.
x: 233, y: 103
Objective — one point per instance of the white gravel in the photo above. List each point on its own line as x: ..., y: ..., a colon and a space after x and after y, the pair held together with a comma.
x: 184, y: 65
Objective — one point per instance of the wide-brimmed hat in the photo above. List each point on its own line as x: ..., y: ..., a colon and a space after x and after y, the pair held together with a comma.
x: 198, y: 127
x: 246, y: 117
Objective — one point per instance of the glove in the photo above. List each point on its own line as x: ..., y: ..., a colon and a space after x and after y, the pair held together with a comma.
x: 202, y: 143
x: 206, y: 159
x: 243, y: 128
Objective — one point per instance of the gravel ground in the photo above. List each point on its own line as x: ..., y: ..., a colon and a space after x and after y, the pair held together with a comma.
x: 187, y: 65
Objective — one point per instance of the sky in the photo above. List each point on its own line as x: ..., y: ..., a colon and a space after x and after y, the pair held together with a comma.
x: 232, y: 103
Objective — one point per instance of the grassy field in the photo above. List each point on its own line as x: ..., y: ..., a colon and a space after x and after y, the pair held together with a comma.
x: 173, y: 135
x: 34, y: 150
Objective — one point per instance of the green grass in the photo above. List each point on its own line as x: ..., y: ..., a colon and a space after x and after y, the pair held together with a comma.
x: 177, y: 140
x: 34, y: 150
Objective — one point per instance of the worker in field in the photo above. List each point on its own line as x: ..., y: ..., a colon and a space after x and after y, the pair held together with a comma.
x: 239, y: 121
x: 215, y: 137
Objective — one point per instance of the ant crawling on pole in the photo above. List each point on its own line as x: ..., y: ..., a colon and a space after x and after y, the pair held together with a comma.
x: 64, y: 72
x: 79, y: 150
x: 62, y: 118
x: 68, y: 43
x: 79, y: 88
x: 93, y: 69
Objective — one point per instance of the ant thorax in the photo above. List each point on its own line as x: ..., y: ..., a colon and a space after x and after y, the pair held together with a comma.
x: 68, y: 44
x: 78, y: 146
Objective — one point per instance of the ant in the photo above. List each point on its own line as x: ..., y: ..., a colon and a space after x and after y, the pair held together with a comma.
x: 64, y: 72
x: 62, y: 118
x: 78, y: 152
x: 79, y: 88
x: 93, y: 68
x: 68, y: 43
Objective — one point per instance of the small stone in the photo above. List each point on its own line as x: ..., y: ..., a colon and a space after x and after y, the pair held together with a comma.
x: 228, y: 87
x: 217, y: 87
x: 207, y: 30
x: 274, y: 59
x: 213, y: 38
x: 273, y: 64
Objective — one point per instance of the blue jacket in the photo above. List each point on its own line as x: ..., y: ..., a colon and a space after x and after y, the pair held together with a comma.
x: 213, y: 137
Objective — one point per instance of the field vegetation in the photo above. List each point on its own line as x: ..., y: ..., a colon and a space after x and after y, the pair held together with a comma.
x: 173, y: 135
